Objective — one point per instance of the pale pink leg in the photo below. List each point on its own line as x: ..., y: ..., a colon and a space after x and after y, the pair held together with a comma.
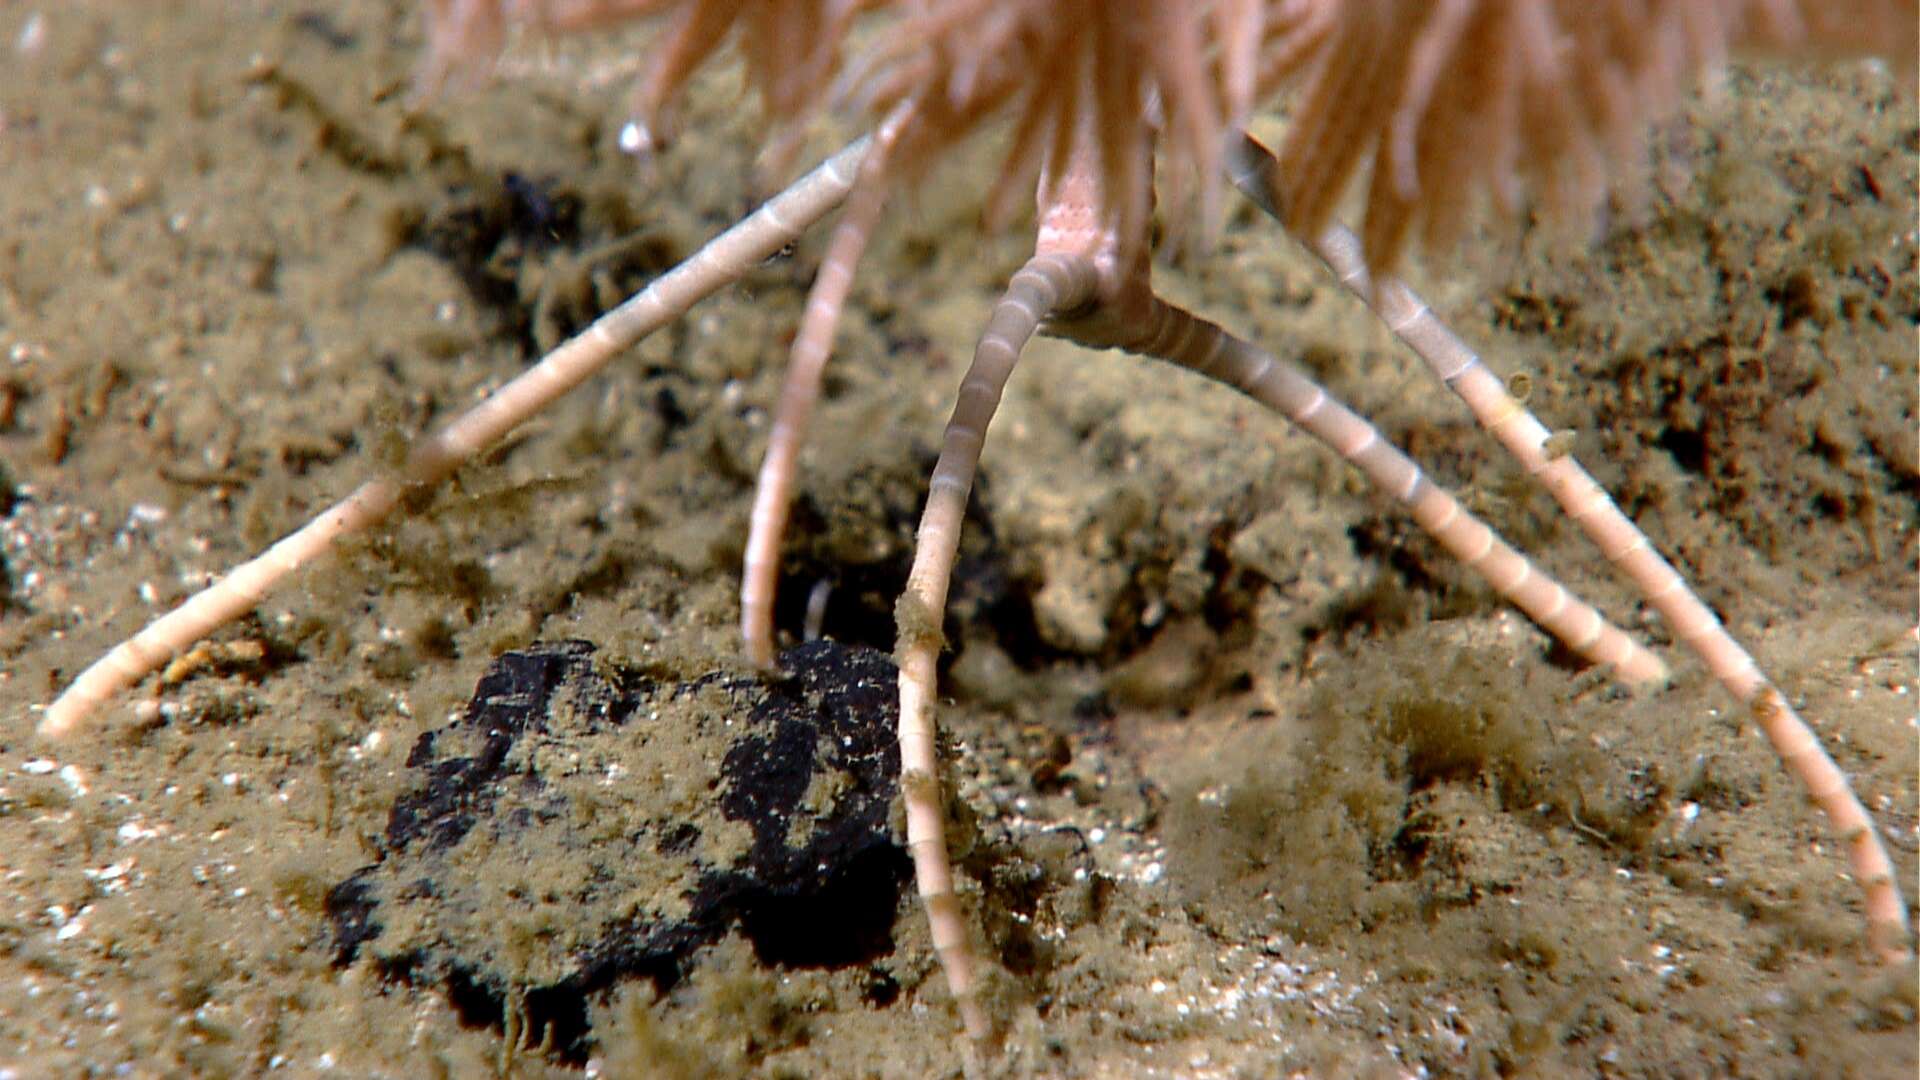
x: 799, y: 392
x: 1169, y: 333
x: 1048, y: 283
x: 1255, y: 172
x: 776, y: 224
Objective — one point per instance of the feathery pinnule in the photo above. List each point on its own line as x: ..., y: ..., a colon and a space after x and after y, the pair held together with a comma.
x: 1445, y: 100
x: 966, y: 61
x: 1345, y: 105
x: 695, y: 32
x: 464, y: 36
x: 1439, y: 100
x: 1291, y: 34
x: 963, y: 61
x: 791, y: 47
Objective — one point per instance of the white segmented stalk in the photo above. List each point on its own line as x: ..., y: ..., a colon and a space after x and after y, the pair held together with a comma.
x: 800, y: 391
x: 1045, y: 285
x: 1660, y: 584
x: 724, y: 258
x: 1253, y: 169
x: 1169, y: 333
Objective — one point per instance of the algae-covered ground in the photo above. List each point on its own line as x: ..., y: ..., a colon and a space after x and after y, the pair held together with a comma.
x: 1251, y: 778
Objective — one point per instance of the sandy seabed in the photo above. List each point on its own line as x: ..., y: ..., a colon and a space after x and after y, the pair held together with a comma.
x: 1255, y: 780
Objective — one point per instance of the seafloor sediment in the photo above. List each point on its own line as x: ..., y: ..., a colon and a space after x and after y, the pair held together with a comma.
x: 1251, y: 778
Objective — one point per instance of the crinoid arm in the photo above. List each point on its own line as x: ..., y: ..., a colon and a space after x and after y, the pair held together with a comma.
x: 724, y: 258
x: 1048, y: 284
x: 1256, y: 172
x: 1169, y: 333
x: 800, y: 391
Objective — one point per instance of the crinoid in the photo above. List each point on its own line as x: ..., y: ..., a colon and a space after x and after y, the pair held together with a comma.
x: 1113, y: 111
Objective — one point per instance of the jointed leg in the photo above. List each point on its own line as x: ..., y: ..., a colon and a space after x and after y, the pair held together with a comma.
x: 774, y: 225
x: 1255, y: 172
x: 1085, y: 287
x: 1663, y: 587
x: 1058, y: 288
x: 773, y: 494
x: 1169, y: 333
x: 1046, y: 285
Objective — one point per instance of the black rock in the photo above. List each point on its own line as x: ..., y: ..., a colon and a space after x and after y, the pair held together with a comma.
x: 581, y: 825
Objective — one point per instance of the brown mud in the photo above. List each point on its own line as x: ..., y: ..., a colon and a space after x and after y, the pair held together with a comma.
x: 1255, y: 779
